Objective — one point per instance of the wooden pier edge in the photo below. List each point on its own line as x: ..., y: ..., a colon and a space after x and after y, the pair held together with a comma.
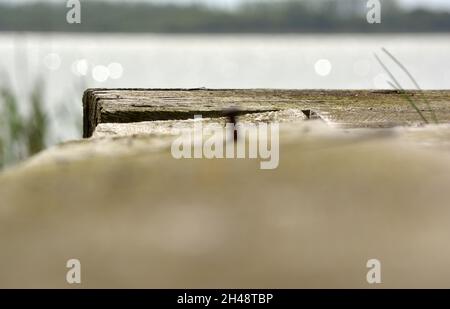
x: 138, y: 217
x: 346, y: 108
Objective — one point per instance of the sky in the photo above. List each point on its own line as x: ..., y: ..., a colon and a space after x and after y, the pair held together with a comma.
x: 435, y: 4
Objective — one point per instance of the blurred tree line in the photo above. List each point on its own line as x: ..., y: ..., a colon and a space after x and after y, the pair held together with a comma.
x: 289, y: 16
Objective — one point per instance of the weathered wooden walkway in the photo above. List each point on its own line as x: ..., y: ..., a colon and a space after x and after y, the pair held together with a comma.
x: 346, y: 108
x: 137, y: 217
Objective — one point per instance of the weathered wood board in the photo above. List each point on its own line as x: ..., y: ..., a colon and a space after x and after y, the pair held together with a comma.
x: 346, y: 108
x: 135, y: 216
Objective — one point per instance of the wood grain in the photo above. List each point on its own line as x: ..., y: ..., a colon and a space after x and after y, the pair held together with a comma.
x: 345, y: 108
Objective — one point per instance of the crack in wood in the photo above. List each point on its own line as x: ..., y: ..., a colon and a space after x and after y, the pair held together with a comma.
x: 347, y: 108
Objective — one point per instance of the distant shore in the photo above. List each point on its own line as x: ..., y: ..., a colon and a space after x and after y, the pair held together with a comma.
x: 271, y: 18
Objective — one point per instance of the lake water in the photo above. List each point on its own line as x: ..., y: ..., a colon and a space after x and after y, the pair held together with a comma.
x: 67, y: 64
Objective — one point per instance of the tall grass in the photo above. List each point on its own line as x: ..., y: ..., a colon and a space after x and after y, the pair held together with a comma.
x: 21, y: 133
x: 394, y: 83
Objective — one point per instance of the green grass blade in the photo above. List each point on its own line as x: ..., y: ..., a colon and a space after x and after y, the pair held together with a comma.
x: 405, y: 70
x: 402, y: 93
x: 399, y: 87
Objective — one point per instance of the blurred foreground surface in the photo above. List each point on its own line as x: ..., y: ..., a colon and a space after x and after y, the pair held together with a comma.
x: 137, y: 218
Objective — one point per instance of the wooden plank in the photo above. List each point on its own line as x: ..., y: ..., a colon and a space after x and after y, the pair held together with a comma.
x: 225, y: 223
x: 366, y: 193
x: 346, y: 108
